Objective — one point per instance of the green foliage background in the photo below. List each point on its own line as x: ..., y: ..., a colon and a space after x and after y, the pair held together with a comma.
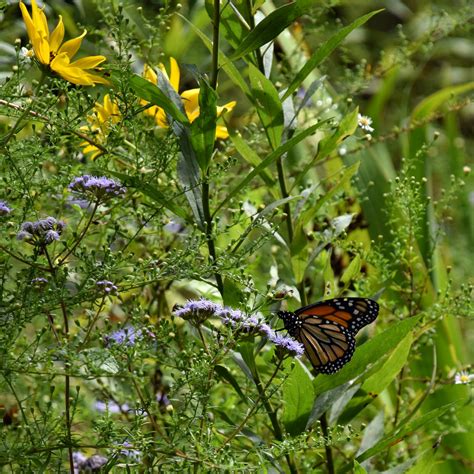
x: 297, y: 205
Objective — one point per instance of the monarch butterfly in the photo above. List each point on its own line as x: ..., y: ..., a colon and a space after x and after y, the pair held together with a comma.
x: 327, y: 329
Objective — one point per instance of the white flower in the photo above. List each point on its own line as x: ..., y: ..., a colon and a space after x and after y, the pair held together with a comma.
x: 365, y: 123
x: 342, y: 151
x: 463, y: 377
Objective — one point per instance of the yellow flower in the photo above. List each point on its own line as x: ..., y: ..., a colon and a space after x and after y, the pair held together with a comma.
x: 190, y: 99
x: 50, y: 50
x: 102, y: 118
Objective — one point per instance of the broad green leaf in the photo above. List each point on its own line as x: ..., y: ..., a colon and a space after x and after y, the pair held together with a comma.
x: 324, y: 51
x: 340, y: 403
x: 346, y: 128
x: 372, y: 433
x: 233, y: 295
x: 271, y: 158
x: 400, y: 433
x: 155, y: 96
x: 424, y: 464
x: 224, y: 374
x: 375, y: 348
x: 298, y: 397
x: 324, y: 401
x: 190, y: 178
x: 225, y: 63
x: 352, y: 270
x: 203, y: 128
x: 358, y: 469
x: 267, y: 102
x: 269, y: 28
x: 299, y: 263
x: 377, y: 382
x: 246, y: 350
x: 429, y: 105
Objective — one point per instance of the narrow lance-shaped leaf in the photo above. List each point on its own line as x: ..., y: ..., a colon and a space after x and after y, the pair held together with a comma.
x: 269, y: 28
x: 324, y: 51
x: 268, y: 105
x: 203, y: 128
x: 269, y: 160
x: 151, y: 93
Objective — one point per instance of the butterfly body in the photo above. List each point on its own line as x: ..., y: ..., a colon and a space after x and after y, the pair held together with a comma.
x: 327, y: 329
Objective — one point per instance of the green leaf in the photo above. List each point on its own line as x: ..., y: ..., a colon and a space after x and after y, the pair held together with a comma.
x: 233, y: 295
x: 429, y: 105
x: 246, y: 350
x: 267, y: 102
x: 226, y: 375
x: 250, y: 156
x: 271, y: 158
x: 151, y: 93
x: 203, y: 128
x: 374, y: 349
x: 377, y: 382
x: 400, y: 433
x: 230, y: 24
x: 225, y: 63
x: 269, y: 28
x: 324, y: 51
x: 358, y: 469
x: 298, y: 397
x: 352, y: 270
x: 346, y: 128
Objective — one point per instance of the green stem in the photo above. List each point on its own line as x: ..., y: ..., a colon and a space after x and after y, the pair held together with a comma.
x: 209, y: 239
x: 329, y: 461
x: 67, y: 378
x: 284, y: 195
x: 92, y: 324
x: 83, y: 233
x: 215, y: 43
x: 16, y: 127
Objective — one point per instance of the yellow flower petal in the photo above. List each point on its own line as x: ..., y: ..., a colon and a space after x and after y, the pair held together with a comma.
x: 72, y: 46
x: 89, y: 62
x: 174, y: 74
x: 57, y: 36
x: 60, y: 64
x: 149, y: 74
x: 191, y: 103
x: 37, y: 31
x: 226, y: 108
x: 221, y: 132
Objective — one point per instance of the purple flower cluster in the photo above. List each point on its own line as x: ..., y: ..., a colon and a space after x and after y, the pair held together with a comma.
x: 4, y: 209
x: 127, y: 336
x: 41, y: 232
x: 39, y: 282
x: 84, y: 464
x: 107, y: 287
x: 96, y: 188
x: 200, y: 310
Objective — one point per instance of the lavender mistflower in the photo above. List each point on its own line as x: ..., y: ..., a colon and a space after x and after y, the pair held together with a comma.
x: 39, y: 282
x: 107, y: 287
x: 84, y: 464
x: 41, y: 232
x: 134, y: 454
x: 127, y: 336
x: 96, y: 188
x: 4, y: 209
x: 199, y: 311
